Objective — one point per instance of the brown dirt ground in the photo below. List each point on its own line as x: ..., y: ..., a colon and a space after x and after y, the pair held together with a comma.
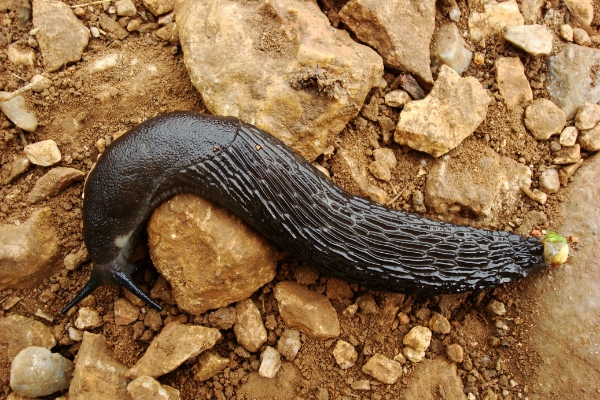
x: 507, y: 355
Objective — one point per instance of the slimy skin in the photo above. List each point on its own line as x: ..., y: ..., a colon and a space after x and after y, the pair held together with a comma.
x: 286, y: 199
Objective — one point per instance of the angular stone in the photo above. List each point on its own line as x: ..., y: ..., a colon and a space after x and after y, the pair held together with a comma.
x: 413, y: 355
x: 512, y: 82
x: 533, y: 39
x: 418, y: 338
x: 61, y: 35
x: 566, y: 32
x: 581, y: 37
x: 112, y: 27
x: 568, y: 155
x: 289, y: 344
x: 496, y: 307
x: 125, y: 8
x: 531, y: 10
x: 29, y: 253
x: 53, y: 182
x: 455, y: 353
x: 19, y: 166
x: 549, y: 181
x: 148, y: 388
x: 249, y: 328
x: 435, y: 125
x: 169, y: 33
x: 493, y: 20
x: 98, y: 374
x: 306, y: 310
x: 209, y: 365
x: 345, y: 355
x: 175, y: 344
x: 383, y: 369
x: 294, y: 76
x: 544, y: 119
x: 125, y: 312
x: 74, y: 260
x: 400, y: 31
x: 158, y: 7
x: 454, y: 191
x: 270, y: 363
x: 397, y: 98
x: 590, y: 139
x: 588, y: 116
x: 338, y: 289
x: 36, y: 372
x: 210, y: 257
x: 568, y: 136
x: 15, y: 110
x: 44, y: 153
x: 573, y: 77
x: 439, y: 324
x: 434, y: 376
x: 223, y: 318
x: 585, y: 10
x: 450, y: 49
x: 88, y: 318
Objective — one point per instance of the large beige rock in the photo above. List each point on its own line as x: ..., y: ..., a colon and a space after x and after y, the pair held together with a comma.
x: 62, y: 36
x: 306, y: 310
x: 210, y: 257
x: 29, y: 253
x: 175, y: 344
x: 400, y: 31
x: 98, y: 374
x: 278, y: 65
x: 441, y: 121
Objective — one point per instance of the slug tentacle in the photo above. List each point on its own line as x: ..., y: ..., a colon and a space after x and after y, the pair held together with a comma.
x: 286, y: 199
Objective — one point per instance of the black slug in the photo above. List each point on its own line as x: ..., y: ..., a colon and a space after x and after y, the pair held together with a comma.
x: 286, y: 199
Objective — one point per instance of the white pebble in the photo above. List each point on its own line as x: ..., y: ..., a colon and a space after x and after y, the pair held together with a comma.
x: 289, y: 344
x: 549, y: 181
x: 270, y: 363
x: 15, y: 110
x: 88, y: 318
x: 568, y: 136
x: 345, y: 355
x: 44, y: 153
x: 36, y: 371
x: 95, y: 31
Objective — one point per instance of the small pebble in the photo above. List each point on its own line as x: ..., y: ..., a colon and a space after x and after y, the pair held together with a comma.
x: 17, y: 112
x: 36, y: 371
x: 495, y: 307
x: 95, y: 31
x: 209, y: 365
x: 383, y: 369
x: 549, y: 181
x: 439, y: 324
x: 88, y: 318
x: 588, y: 116
x: 455, y: 353
x: 581, y: 37
x: 270, y: 363
x: 397, y: 98
x: 568, y: 136
x: 44, y: 153
x: 289, y: 344
x: 345, y: 355
x: 566, y: 32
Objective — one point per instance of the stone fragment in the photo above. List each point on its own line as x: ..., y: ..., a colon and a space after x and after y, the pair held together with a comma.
x: 19, y: 166
x: 544, y: 119
x: 289, y: 344
x: 400, y: 31
x: 161, y: 290
x: 125, y: 312
x: 44, y: 153
x: 496, y: 307
x: 455, y: 353
x: 20, y: 56
x: 75, y: 334
x: 568, y: 155
x: 15, y: 110
x: 573, y: 73
x: 383, y: 369
x: 223, y: 318
x: 590, y: 139
x: 174, y: 345
x: 270, y: 363
x: 148, y: 388
x: 169, y: 33
x: 439, y: 324
x: 338, y: 289
x: 306, y: 310
x: 397, y: 98
x: 419, y: 338
x: 345, y: 355
x: 249, y: 328
x: 549, y: 181
x: 453, y: 191
x: 587, y: 116
x: 494, y: 19
x: 439, y: 131
x: 125, y: 8
x: 62, y: 37
x: 88, y: 318
x: 166, y: 18
x: 581, y: 37
x: 531, y: 10
x: 584, y: 9
x: 53, y: 182
x: 209, y: 365
x: 210, y: 257
x: 362, y: 384
x: 536, y: 195
x: 29, y: 253
x: 112, y: 27
x: 367, y: 304
x: 512, y: 82
x: 303, y: 84
x: 413, y: 355
x: 158, y: 7
x: 568, y: 137
x: 567, y: 172
x: 359, y: 175
x: 285, y: 385
x: 134, y: 25
x: 98, y: 374
x: 153, y: 320
x: 450, y: 49
x: 74, y: 260
x: 36, y: 371
x: 566, y: 32
x: 434, y: 376
x: 533, y: 39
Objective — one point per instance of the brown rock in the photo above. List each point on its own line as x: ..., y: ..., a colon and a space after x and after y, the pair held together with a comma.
x: 455, y: 353
x: 175, y: 344
x: 512, y: 82
x: 306, y: 310
x: 383, y: 369
x: 29, y: 253
x: 153, y: 320
x: 158, y: 7
x: 588, y: 116
x: 19, y: 166
x: 74, y: 260
x: 289, y: 344
x: 434, y: 376
x: 249, y: 328
x: 568, y: 155
x: 338, y: 289
x: 53, y: 182
x: 210, y: 257
x: 590, y: 139
x: 400, y: 31
x: 169, y: 33
x: 223, y: 318
x: 148, y: 388
x: 296, y: 78
x: 125, y: 312
x: 209, y: 365
x: 345, y: 355
x: 493, y: 20
x: 98, y: 375
x: 62, y: 36
x: 543, y: 118
x: 439, y: 324
x: 439, y: 132
x: 112, y: 27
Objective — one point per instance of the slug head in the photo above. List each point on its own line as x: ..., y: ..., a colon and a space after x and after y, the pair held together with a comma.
x: 114, y: 273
